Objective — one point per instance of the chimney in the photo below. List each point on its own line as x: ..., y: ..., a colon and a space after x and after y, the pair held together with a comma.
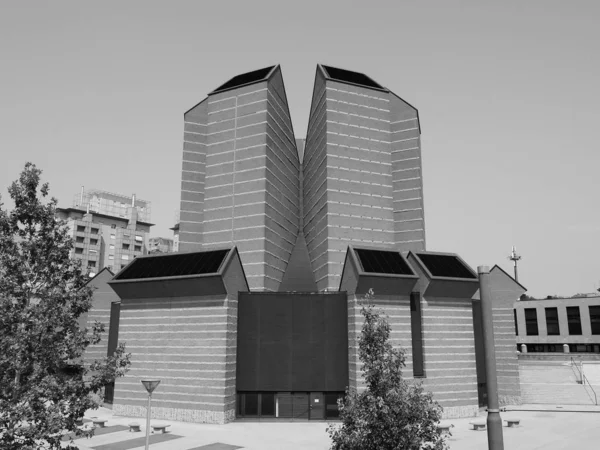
x: 81, y: 197
x: 133, y: 200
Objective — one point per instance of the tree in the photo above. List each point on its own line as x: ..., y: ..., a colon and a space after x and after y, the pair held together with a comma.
x: 390, y: 413
x: 44, y: 386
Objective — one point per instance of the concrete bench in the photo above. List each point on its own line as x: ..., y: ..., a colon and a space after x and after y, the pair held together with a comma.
x: 478, y: 424
x: 444, y: 428
x: 99, y: 422
x: 160, y: 428
x: 134, y: 427
x: 512, y: 422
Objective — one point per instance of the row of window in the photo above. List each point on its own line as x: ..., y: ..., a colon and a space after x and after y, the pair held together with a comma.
x: 552, y: 323
x: 81, y: 229
x: 81, y: 240
x: 558, y: 348
x: 288, y: 405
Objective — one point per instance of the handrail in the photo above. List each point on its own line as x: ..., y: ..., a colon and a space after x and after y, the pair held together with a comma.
x: 584, y: 379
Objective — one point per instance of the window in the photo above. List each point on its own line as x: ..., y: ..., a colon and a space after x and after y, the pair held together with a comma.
x: 574, y: 320
x: 112, y: 236
x: 595, y: 319
x: 267, y: 404
x: 78, y: 251
x: 79, y: 239
x: 416, y: 334
x: 113, y: 226
x: 93, y: 241
x: 516, y: 322
x: 91, y: 264
x: 95, y: 230
x: 111, y: 256
x: 80, y: 228
x: 125, y: 246
x: 139, y: 238
x: 552, y: 321
x: 126, y: 257
x: 93, y: 251
x: 531, y: 325
x: 137, y: 248
x: 111, y: 246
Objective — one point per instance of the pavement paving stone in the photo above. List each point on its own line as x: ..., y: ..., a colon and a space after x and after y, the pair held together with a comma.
x: 543, y: 429
x: 137, y: 442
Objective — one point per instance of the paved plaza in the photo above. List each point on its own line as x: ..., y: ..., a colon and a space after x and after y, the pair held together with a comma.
x: 547, y: 429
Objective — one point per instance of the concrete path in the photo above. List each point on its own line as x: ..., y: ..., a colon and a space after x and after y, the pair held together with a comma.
x: 543, y: 429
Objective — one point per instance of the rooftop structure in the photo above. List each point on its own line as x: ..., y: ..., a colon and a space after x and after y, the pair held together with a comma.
x: 109, y: 229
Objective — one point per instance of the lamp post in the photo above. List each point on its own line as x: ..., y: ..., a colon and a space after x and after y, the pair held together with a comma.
x: 150, y: 385
x: 494, y: 421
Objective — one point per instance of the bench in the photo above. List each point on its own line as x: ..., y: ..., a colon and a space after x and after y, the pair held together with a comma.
x: 512, y: 422
x: 160, y: 428
x: 134, y: 427
x: 444, y: 428
x: 99, y: 422
x: 478, y: 424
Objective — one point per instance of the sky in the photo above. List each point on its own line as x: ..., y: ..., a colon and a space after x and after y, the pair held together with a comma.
x: 507, y: 93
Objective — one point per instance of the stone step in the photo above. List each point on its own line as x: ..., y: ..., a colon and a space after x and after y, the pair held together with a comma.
x: 567, y: 394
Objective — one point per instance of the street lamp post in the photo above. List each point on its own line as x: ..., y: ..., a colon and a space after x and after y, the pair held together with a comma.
x: 150, y: 385
x: 494, y: 421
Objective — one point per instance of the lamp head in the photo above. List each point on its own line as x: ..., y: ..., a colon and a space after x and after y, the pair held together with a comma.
x: 150, y: 385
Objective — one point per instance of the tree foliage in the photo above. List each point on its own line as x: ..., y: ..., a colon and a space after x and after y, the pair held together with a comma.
x: 391, y: 413
x: 44, y: 386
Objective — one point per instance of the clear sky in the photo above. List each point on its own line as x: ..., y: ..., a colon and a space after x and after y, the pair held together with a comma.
x: 508, y: 94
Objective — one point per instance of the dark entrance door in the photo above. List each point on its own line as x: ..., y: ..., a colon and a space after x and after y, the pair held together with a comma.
x: 300, y: 405
x: 317, y: 407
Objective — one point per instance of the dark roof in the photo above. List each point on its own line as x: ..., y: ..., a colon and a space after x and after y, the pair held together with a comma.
x: 347, y: 76
x: 445, y: 266
x: 244, y: 79
x: 381, y: 261
x: 174, y: 265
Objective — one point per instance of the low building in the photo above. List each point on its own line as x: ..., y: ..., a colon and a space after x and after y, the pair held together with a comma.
x: 224, y: 352
x: 558, y: 325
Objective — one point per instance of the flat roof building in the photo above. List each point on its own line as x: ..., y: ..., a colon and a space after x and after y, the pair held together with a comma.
x: 109, y: 230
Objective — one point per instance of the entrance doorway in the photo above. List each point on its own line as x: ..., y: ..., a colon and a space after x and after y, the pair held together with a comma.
x: 317, y: 408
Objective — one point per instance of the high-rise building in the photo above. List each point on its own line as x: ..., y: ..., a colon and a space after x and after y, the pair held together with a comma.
x: 109, y: 230
x: 247, y: 181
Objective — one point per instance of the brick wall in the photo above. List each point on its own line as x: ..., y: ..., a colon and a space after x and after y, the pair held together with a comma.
x: 449, y: 353
x: 187, y: 343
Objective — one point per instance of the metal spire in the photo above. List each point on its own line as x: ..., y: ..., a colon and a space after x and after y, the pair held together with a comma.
x: 514, y: 258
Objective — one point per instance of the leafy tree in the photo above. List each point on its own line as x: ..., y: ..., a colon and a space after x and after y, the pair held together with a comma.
x: 44, y: 386
x: 390, y: 413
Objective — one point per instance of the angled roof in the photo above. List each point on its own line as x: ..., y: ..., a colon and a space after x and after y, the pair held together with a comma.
x: 444, y: 265
x: 444, y: 274
x: 350, y: 77
x: 509, y: 276
x: 245, y: 79
x: 169, y: 265
x: 211, y: 272
x: 385, y: 271
x: 105, y: 269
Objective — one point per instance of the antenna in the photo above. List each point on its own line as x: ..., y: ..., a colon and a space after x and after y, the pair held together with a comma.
x: 514, y: 258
